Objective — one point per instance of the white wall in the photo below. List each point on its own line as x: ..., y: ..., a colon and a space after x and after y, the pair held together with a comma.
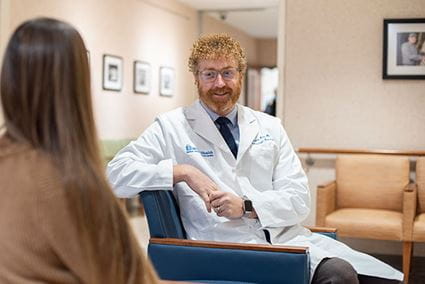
x: 212, y: 25
x: 334, y: 95
x: 334, y: 71
x: 260, y: 51
x: 159, y: 32
x: 267, y: 52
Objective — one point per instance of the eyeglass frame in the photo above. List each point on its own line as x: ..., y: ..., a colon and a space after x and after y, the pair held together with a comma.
x: 237, y: 71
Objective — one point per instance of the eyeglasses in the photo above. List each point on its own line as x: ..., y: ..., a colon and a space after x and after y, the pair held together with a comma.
x: 210, y: 75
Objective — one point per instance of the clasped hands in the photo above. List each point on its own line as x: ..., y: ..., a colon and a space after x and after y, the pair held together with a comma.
x: 224, y: 204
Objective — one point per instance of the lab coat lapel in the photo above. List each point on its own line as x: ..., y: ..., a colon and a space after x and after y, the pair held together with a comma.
x: 203, y: 125
x: 248, y: 129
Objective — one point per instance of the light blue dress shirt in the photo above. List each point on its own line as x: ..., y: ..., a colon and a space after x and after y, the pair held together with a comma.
x: 232, y: 116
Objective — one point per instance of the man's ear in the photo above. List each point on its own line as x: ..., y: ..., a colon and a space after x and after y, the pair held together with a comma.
x: 241, y: 78
x: 196, y: 80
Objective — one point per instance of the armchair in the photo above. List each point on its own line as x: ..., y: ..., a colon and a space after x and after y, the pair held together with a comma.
x: 371, y: 198
x: 176, y: 258
x: 419, y: 224
x: 417, y: 231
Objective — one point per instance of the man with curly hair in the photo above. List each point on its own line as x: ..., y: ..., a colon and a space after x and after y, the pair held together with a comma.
x: 233, y: 170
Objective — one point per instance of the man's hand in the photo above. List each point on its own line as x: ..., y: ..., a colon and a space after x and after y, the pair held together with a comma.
x: 227, y: 204
x: 197, y: 181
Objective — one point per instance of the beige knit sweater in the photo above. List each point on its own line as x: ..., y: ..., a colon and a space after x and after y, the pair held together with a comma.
x: 38, y: 241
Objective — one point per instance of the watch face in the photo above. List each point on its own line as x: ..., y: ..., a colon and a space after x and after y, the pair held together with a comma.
x: 248, y: 205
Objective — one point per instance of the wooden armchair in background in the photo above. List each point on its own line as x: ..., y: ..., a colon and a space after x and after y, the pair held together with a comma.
x: 371, y: 198
x: 417, y: 231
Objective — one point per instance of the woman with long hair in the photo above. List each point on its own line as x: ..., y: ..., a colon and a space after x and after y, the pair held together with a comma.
x: 59, y: 220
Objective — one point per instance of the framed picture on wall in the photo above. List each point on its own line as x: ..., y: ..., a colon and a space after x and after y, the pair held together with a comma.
x: 404, y: 49
x: 112, y: 72
x: 141, y: 77
x: 166, y: 81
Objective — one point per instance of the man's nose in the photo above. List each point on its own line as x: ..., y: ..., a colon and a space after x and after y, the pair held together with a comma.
x: 219, y: 82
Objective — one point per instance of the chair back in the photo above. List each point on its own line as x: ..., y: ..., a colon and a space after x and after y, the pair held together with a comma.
x: 371, y: 181
x: 420, y: 181
x: 163, y: 214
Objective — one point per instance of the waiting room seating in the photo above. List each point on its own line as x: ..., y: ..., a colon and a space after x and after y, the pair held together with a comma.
x: 417, y: 231
x: 371, y: 198
x: 110, y: 147
x: 176, y: 258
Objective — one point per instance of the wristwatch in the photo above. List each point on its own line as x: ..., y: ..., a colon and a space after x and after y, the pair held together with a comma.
x: 247, y: 207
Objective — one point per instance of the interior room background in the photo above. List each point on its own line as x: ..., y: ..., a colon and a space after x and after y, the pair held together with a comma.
x: 329, y: 55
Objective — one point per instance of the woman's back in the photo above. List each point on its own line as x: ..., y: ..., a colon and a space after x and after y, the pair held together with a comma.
x: 38, y: 236
x: 60, y: 221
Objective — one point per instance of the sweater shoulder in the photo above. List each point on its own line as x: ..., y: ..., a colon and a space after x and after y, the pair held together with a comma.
x: 29, y: 171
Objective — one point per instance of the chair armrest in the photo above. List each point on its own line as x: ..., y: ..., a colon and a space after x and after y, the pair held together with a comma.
x: 410, y: 187
x: 181, y: 259
x: 409, y: 210
x: 328, y: 184
x: 325, y: 202
x: 228, y: 245
x: 330, y: 232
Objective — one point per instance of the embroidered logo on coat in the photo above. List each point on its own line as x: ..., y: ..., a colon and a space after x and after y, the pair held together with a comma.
x: 261, y: 139
x: 191, y: 149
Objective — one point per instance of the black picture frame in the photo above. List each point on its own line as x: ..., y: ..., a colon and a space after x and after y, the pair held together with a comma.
x: 399, y: 59
x: 112, y: 73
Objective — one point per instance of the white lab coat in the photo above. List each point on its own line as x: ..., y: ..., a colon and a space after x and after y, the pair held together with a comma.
x: 266, y: 171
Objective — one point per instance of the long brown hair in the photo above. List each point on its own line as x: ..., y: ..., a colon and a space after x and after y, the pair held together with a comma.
x: 46, y: 97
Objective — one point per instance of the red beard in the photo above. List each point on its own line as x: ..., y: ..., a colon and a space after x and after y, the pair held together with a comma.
x: 221, y: 104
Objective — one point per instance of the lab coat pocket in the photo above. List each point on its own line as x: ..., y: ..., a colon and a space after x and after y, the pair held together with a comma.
x: 262, y: 161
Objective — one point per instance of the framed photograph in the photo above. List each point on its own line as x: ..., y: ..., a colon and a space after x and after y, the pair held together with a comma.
x: 141, y: 77
x: 166, y: 81
x: 112, y: 72
x: 404, y: 49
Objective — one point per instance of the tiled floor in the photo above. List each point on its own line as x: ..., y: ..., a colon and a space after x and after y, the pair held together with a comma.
x: 417, y: 274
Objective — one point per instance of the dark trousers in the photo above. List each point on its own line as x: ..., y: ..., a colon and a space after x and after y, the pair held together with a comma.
x: 338, y: 271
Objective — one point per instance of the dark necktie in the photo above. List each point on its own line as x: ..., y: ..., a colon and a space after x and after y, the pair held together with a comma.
x: 227, y: 135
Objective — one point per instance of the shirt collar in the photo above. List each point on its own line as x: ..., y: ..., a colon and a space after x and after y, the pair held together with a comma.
x: 232, y: 116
